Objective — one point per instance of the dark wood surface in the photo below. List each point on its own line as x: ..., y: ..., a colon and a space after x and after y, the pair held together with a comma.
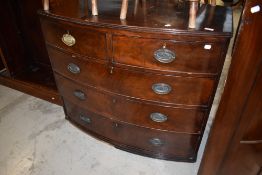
x: 186, y: 91
x: 32, y: 88
x: 88, y: 42
x: 30, y: 30
x: 234, y: 145
x: 35, y: 81
x: 205, y: 62
x: 244, y: 155
x: 24, y: 58
x: 116, y: 69
x: 175, y: 146
x: 10, y: 40
x: 181, y: 120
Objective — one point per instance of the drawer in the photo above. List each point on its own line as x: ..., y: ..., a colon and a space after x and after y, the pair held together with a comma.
x: 131, y: 111
x: 183, y: 57
x: 139, y: 85
x: 75, y: 38
x: 153, y: 143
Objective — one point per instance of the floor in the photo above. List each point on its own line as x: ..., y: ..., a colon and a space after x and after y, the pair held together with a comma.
x: 35, y: 139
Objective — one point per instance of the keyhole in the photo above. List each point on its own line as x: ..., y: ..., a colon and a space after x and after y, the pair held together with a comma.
x: 111, y: 70
x: 164, y: 45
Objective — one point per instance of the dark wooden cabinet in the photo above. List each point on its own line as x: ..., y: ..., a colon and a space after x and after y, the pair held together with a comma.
x: 25, y: 64
x: 139, y: 84
x: 235, y: 141
x: 244, y: 156
x: 12, y: 50
x: 106, y: 77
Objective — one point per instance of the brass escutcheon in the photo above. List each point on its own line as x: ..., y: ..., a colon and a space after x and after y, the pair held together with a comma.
x: 68, y: 40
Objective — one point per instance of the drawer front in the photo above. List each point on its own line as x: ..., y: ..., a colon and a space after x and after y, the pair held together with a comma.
x: 139, y: 85
x: 130, y: 111
x: 190, y: 57
x: 75, y: 38
x: 143, y: 141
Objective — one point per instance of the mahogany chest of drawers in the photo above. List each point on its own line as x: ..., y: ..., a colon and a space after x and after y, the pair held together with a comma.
x: 145, y: 84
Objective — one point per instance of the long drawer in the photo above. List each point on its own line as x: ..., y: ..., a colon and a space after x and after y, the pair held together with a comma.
x: 181, y: 120
x: 75, y: 38
x: 163, y: 145
x: 198, y: 57
x: 145, y: 86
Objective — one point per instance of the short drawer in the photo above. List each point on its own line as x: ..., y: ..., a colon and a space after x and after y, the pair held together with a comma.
x: 75, y: 38
x: 146, y: 115
x: 153, y: 143
x: 196, y: 57
x: 139, y: 85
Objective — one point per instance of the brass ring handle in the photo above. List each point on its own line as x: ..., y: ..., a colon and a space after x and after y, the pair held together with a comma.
x: 161, y: 88
x: 79, y: 94
x: 68, y: 40
x: 73, y: 68
x: 156, y: 142
x: 164, y: 55
x: 85, y: 119
x: 158, y: 117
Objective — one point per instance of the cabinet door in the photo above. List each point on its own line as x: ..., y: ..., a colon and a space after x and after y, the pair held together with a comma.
x: 11, y: 41
x: 245, y: 155
x: 29, y: 24
x: 234, y: 146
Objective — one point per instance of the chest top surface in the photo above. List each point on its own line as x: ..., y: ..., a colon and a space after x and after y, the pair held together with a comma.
x: 152, y: 15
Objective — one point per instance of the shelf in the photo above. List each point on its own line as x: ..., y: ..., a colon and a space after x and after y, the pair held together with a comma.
x: 37, y: 81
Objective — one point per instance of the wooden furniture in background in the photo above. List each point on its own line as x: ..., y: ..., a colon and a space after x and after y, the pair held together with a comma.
x: 193, y: 5
x: 24, y: 63
x: 145, y: 85
x: 235, y: 142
